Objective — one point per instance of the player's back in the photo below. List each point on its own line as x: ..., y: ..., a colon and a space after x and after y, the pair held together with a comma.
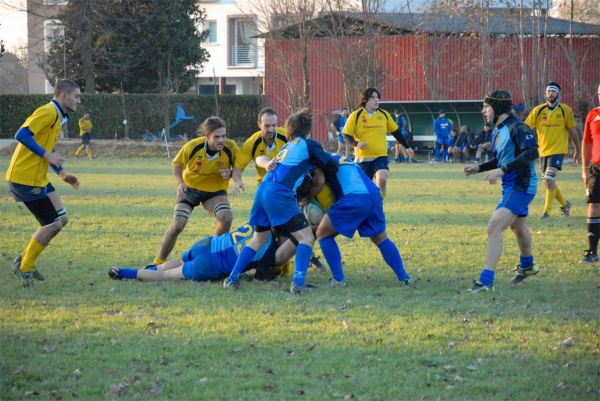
x: 350, y: 179
x: 293, y: 163
x: 225, y: 248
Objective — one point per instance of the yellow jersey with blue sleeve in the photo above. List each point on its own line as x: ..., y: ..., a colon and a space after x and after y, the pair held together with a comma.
x: 372, y: 129
x: 27, y: 168
x: 201, y: 171
x: 85, y: 126
x: 255, y: 146
x: 552, y: 127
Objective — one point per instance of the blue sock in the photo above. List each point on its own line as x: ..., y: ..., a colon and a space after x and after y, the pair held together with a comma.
x: 445, y: 154
x: 477, y: 160
x: 405, y: 158
x: 303, y: 254
x: 437, y: 154
x: 332, y: 254
x: 245, y: 257
x: 127, y: 273
x: 526, y: 261
x: 392, y: 257
x: 487, y: 277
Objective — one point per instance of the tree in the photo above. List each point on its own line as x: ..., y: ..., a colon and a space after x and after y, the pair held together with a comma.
x: 13, y: 74
x: 136, y: 45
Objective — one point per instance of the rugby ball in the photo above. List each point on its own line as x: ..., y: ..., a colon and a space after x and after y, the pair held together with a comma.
x: 313, y: 213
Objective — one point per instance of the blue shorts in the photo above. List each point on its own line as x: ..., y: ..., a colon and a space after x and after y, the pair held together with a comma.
x: 442, y: 140
x: 373, y: 166
x: 85, y: 139
x: 274, y: 205
x: 197, y: 264
x: 27, y: 193
x: 555, y: 161
x: 341, y: 138
x: 515, y: 201
x: 362, y: 212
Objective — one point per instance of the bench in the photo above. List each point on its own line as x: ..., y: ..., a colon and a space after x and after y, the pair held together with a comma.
x: 423, y: 143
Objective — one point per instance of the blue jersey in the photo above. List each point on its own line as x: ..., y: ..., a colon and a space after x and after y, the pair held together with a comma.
x: 510, y: 140
x: 442, y: 127
x: 295, y: 160
x: 350, y: 179
x: 225, y: 248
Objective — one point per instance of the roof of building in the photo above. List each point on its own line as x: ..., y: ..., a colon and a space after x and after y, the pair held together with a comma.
x: 354, y: 23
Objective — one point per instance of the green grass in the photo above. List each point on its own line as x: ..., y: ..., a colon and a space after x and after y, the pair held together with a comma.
x: 80, y: 335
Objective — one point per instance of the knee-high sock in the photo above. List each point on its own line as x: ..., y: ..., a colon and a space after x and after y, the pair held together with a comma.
x: 244, y: 259
x: 33, y: 250
x: 437, y: 153
x: 88, y: 152
x: 550, y: 195
x: 303, y: 254
x: 332, y: 254
x: 560, y: 198
x: 79, y: 150
x: 158, y: 261
x: 392, y: 257
x: 593, y: 224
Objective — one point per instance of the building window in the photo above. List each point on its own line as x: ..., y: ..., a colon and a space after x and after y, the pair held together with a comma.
x: 53, y: 31
x: 242, y: 43
x: 211, y: 27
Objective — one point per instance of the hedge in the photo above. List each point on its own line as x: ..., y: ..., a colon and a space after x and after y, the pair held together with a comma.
x: 144, y: 112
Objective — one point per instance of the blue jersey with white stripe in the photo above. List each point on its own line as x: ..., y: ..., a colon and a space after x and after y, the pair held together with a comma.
x: 350, y: 179
x: 225, y: 248
x: 295, y: 160
x: 509, y: 140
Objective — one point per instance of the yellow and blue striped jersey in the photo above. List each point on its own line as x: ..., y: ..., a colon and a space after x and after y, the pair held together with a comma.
x: 552, y: 128
x: 254, y: 147
x: 202, y: 171
x: 371, y: 129
x: 27, y: 168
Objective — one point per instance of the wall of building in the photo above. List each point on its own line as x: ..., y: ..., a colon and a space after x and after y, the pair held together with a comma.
x: 422, y: 68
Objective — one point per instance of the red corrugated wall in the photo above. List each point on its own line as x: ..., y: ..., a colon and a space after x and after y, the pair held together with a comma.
x: 431, y: 68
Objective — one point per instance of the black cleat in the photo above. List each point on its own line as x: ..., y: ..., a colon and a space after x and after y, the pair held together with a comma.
x: 522, y: 273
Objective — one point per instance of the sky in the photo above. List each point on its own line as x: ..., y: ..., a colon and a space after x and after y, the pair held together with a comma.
x: 13, y: 25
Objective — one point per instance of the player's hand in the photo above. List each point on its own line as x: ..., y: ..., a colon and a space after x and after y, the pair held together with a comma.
x: 361, y: 145
x: 53, y: 158
x: 271, y: 164
x: 71, y: 180
x: 225, y: 173
x: 471, y: 169
x: 493, y: 175
x: 237, y: 187
x: 411, y: 153
x: 181, y: 189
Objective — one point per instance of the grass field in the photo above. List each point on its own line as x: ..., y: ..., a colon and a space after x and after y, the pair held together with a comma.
x: 80, y: 335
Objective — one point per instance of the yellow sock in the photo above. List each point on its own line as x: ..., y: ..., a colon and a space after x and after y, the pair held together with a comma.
x: 33, y: 250
x: 383, y: 193
x: 158, y: 261
x: 285, y: 269
x: 550, y: 195
x: 78, y: 151
x: 89, y: 153
x: 560, y: 198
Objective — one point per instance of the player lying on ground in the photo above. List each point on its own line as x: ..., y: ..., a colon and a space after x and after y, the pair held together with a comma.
x: 213, y: 258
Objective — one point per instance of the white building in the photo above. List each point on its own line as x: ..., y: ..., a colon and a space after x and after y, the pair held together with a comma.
x: 237, y: 61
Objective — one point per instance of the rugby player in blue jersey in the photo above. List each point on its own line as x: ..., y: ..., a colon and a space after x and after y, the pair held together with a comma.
x: 515, y: 149
x: 358, y: 206
x: 442, y: 127
x: 213, y: 258
x: 275, y: 203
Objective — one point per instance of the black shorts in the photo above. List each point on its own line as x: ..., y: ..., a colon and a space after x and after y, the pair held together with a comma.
x: 592, y: 190
x: 85, y: 139
x: 193, y: 197
x: 373, y: 166
x: 43, y: 210
x: 555, y: 161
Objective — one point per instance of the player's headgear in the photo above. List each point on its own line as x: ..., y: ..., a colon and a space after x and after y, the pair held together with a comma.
x: 501, y: 102
x: 553, y: 86
x: 442, y: 112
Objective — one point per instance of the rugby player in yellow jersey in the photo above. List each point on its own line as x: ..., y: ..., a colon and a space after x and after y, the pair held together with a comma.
x: 367, y: 130
x: 27, y: 174
x: 85, y: 130
x: 202, y: 169
x: 555, y: 124
x: 266, y: 142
